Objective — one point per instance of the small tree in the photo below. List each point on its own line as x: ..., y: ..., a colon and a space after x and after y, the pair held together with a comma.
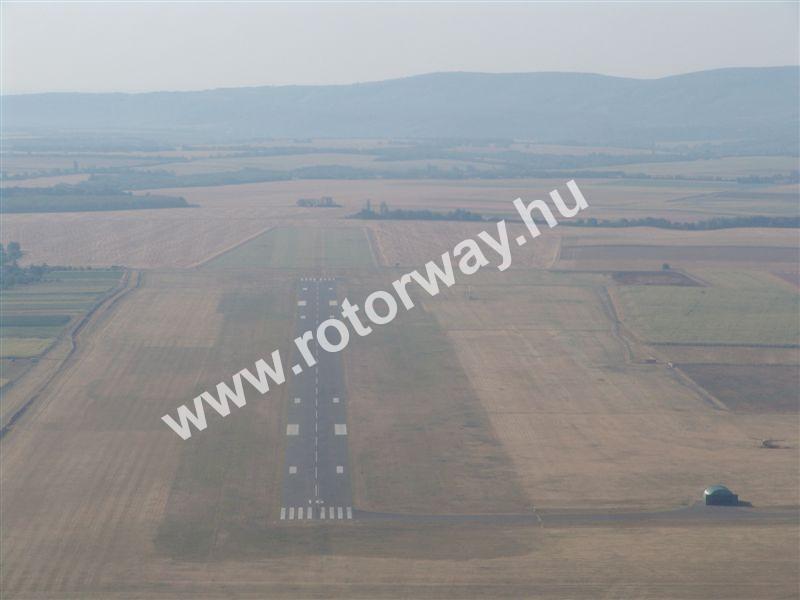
x: 14, y: 250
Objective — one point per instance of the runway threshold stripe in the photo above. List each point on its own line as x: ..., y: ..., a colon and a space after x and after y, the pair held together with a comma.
x: 283, y: 513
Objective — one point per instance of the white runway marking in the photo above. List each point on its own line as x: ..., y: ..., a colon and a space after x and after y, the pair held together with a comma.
x: 291, y: 513
x: 301, y: 303
x: 340, y: 429
x: 339, y: 512
x: 297, y: 400
x: 340, y: 469
x: 292, y: 470
x: 300, y: 513
x: 330, y: 512
x: 297, y: 369
x: 336, y: 401
x: 332, y: 302
x: 322, y: 513
x: 349, y: 512
x: 283, y: 513
x: 302, y: 316
x: 293, y: 429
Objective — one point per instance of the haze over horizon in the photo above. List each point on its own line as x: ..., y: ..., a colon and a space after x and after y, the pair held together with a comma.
x: 211, y: 46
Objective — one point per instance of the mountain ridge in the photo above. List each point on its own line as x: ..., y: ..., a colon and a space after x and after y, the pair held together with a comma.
x: 747, y: 103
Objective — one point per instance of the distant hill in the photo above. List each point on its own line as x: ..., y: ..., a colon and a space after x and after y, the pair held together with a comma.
x: 758, y: 104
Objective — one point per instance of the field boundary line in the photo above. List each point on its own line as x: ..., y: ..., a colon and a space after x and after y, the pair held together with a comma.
x: 618, y: 329
x: 626, y: 335
x: 371, y: 242
x: 216, y: 255
x: 557, y: 256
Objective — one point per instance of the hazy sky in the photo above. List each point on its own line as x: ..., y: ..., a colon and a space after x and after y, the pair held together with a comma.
x: 103, y: 46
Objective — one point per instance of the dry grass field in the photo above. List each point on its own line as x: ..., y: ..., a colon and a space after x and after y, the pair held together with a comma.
x: 508, y: 393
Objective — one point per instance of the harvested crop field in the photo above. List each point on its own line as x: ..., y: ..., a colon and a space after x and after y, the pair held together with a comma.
x: 683, y: 253
x: 750, y: 388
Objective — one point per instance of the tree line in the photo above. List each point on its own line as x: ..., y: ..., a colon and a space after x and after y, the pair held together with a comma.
x: 460, y: 214
x: 10, y: 271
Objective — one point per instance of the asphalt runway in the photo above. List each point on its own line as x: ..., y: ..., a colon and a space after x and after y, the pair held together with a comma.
x: 316, y: 480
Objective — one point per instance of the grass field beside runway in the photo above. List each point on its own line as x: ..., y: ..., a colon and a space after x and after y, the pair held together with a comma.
x: 301, y: 248
x: 228, y: 477
x: 421, y: 440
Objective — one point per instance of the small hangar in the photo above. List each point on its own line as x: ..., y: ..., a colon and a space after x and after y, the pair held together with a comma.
x: 719, y: 495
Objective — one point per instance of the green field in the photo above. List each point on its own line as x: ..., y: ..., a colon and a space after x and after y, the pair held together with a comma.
x: 739, y: 307
x: 301, y: 248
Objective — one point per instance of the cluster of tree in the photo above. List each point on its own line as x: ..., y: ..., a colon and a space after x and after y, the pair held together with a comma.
x: 714, y: 223
x: 771, y: 179
x: 10, y: 271
x: 73, y: 198
x: 384, y: 212
x: 324, y: 202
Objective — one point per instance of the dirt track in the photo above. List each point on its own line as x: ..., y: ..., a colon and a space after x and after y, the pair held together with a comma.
x: 698, y: 514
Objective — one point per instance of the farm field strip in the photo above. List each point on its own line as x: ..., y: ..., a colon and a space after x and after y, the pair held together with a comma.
x: 33, y: 315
